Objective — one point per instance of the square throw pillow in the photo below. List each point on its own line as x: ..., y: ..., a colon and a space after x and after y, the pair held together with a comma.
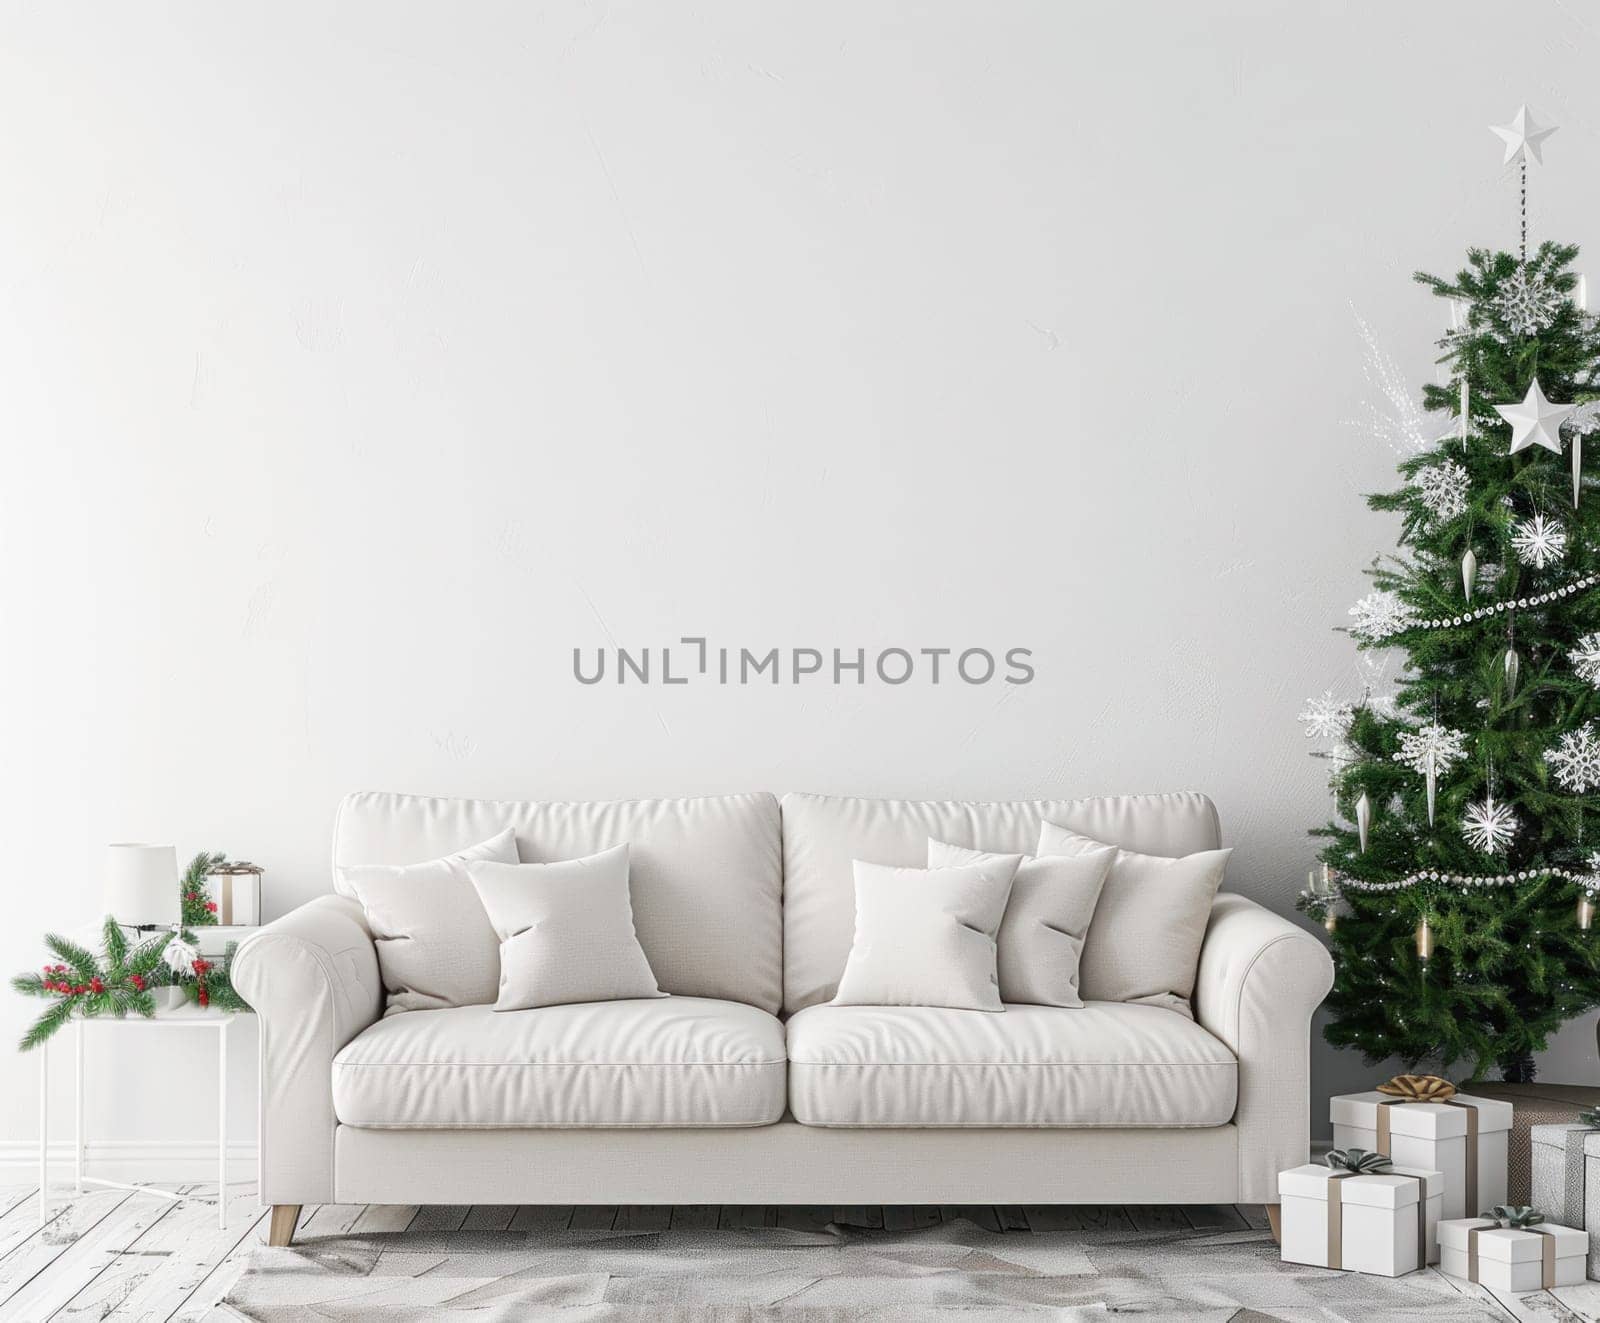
x: 926, y: 936
x: 435, y: 944
x: 1046, y: 920
x: 1144, y: 940
x: 565, y: 930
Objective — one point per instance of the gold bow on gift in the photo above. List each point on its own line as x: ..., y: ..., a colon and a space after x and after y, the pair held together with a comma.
x: 1419, y: 1088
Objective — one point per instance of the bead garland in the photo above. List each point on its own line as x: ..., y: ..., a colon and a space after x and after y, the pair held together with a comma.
x: 1515, y: 604
x: 1468, y: 879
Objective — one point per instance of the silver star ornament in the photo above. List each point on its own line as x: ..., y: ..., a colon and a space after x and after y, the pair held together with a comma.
x: 1523, y: 137
x: 1535, y: 422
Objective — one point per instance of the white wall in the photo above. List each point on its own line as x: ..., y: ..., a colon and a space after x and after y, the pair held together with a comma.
x: 357, y: 362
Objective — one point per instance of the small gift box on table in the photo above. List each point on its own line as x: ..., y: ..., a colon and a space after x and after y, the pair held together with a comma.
x: 1558, y: 1168
x: 1422, y: 1122
x: 1360, y: 1213
x: 1512, y: 1250
x: 237, y: 886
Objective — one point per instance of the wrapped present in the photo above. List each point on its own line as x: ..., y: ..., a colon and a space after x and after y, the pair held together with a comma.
x: 1558, y: 1168
x: 1421, y: 1122
x: 1512, y: 1250
x: 236, y: 884
x: 1531, y: 1105
x: 1360, y: 1213
x: 1591, y: 1198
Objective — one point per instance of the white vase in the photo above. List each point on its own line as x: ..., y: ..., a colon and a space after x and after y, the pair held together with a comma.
x: 169, y: 998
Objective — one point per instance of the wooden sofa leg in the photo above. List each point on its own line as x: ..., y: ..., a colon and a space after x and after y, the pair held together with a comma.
x: 284, y: 1216
x: 1275, y: 1221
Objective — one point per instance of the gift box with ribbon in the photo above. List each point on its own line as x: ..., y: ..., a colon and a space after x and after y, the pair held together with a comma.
x: 237, y: 888
x: 1558, y: 1168
x: 1513, y: 1250
x: 1422, y: 1122
x: 1360, y: 1213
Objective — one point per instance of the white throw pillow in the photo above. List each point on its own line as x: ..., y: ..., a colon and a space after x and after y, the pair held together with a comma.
x: 566, y: 931
x: 1144, y: 940
x: 1047, y: 918
x: 435, y: 944
x: 926, y: 936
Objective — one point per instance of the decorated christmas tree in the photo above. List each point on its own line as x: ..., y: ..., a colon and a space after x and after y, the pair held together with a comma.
x: 1459, y: 877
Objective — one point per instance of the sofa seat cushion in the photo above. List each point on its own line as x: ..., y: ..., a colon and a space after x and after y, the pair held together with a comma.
x: 1106, y: 1064
x: 676, y: 1061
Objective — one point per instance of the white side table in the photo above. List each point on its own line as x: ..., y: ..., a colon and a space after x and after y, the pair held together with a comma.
x: 184, y: 1017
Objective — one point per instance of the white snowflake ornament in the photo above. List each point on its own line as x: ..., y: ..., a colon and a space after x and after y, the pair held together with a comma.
x: 1443, y: 488
x: 1527, y: 302
x: 1576, y: 760
x: 1432, y: 751
x: 1490, y: 827
x: 1539, y: 541
x: 1379, y: 615
x: 1585, y: 659
x: 1443, y: 746
x: 1325, y: 718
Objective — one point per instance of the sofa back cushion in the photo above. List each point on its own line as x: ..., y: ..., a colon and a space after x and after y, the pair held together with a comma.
x: 706, y: 878
x: 823, y: 833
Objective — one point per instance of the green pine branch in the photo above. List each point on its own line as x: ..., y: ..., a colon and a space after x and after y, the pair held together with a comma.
x: 50, y: 1020
x: 193, y: 894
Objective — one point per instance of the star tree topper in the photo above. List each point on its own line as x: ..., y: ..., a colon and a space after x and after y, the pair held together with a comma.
x: 1523, y: 137
x: 1535, y: 421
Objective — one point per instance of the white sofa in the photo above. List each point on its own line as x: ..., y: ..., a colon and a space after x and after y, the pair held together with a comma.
x: 743, y: 1086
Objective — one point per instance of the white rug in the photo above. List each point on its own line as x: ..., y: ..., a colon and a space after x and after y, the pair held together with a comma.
x: 837, y: 1273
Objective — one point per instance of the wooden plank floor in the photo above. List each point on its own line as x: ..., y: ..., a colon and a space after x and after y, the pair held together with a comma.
x: 112, y: 1254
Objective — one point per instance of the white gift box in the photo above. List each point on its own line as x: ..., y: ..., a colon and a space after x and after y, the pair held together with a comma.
x: 1372, y: 1223
x: 237, y: 895
x: 1558, y: 1172
x: 1511, y: 1259
x: 1433, y: 1137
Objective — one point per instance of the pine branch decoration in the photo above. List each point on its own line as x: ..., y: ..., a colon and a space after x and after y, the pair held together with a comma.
x: 78, y: 983
x: 197, y: 907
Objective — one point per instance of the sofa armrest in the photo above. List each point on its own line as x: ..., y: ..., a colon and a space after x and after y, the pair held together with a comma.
x: 1260, y: 979
x: 312, y: 979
